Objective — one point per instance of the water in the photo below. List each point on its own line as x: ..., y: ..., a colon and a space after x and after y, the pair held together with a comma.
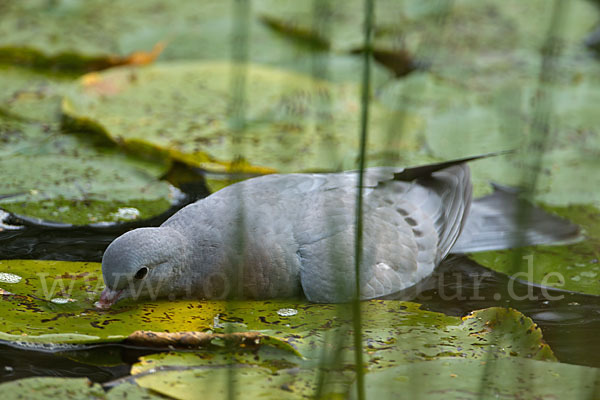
x: 569, y: 321
x: 17, y: 363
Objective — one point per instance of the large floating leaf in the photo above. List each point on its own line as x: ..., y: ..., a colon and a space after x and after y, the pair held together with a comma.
x: 466, y: 379
x: 575, y: 267
x: 71, y: 190
x: 490, y: 28
x: 292, y: 122
x: 91, y: 34
x: 53, y: 307
x: 571, y: 150
x: 391, y: 336
x: 31, y: 95
x: 67, y: 178
x: 71, y: 388
x: 47, y: 388
x: 241, y: 382
x: 52, y: 302
x: 47, y: 175
x: 482, y: 93
x: 97, y: 34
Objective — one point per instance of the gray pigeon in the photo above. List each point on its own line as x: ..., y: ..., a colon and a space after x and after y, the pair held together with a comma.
x: 278, y: 236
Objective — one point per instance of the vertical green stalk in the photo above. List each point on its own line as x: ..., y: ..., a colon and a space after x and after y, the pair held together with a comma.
x: 237, y: 120
x: 239, y: 58
x: 540, y: 132
x: 331, y: 354
x: 365, y: 93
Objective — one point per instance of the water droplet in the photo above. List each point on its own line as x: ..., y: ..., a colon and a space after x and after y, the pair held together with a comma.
x: 61, y: 300
x: 126, y: 213
x: 287, y: 312
x: 5, y: 277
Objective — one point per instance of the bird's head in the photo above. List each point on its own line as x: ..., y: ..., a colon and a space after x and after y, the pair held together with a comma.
x: 142, y: 263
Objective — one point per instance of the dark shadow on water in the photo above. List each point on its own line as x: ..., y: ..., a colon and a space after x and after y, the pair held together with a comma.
x: 569, y: 321
x: 115, y: 360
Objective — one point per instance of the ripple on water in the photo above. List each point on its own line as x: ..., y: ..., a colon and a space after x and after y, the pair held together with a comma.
x: 552, y: 316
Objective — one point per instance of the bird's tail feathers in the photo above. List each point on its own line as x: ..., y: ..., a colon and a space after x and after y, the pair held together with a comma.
x: 502, y: 220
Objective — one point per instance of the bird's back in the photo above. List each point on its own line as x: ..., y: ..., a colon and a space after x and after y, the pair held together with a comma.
x: 277, y: 232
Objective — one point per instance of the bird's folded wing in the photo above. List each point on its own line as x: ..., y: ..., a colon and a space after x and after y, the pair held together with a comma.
x: 408, y: 227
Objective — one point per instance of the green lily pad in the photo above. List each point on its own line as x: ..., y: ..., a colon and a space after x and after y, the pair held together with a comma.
x: 53, y: 307
x: 486, y: 334
x: 90, y: 35
x: 466, y: 379
x: 131, y: 391
x: 575, y: 267
x: 50, y: 387
x: 75, y: 191
x: 462, y: 121
x: 481, y: 92
x: 292, y: 122
x: 570, y: 151
x: 31, y: 95
x: 67, y: 179
x: 52, y: 302
x: 497, y: 331
x: 245, y: 382
x: 72, y: 388
x: 493, y: 27
x: 93, y: 35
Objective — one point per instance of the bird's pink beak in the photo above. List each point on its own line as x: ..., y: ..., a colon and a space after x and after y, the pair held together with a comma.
x: 108, y: 298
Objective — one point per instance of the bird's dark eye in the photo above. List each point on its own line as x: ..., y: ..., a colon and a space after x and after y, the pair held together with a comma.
x: 141, y: 273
